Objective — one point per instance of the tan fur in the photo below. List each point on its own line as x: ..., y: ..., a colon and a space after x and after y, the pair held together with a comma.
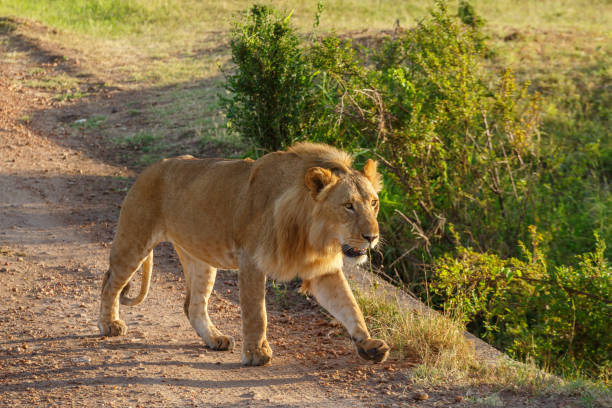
x: 285, y: 215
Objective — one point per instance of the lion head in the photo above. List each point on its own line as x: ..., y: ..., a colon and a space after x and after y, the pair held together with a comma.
x: 329, y: 216
x: 345, y: 206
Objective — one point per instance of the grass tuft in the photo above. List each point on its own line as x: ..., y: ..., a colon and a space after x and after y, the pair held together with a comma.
x: 58, y: 83
x: 436, y: 341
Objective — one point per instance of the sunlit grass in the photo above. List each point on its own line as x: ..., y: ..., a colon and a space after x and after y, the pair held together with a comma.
x: 123, y: 17
x: 55, y: 83
x: 162, y: 42
x: 429, y: 338
x: 437, y: 344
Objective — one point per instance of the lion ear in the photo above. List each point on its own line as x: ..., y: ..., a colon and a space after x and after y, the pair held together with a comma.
x: 369, y: 171
x: 317, y: 178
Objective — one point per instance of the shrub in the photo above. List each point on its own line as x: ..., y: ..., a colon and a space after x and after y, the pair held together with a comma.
x: 459, y: 148
x: 464, y: 151
x: 557, y: 315
x: 269, y: 86
x: 467, y: 15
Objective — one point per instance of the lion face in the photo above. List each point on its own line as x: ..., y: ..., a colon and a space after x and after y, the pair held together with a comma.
x: 355, y: 204
x: 346, y: 208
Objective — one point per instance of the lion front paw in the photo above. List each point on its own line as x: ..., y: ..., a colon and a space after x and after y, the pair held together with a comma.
x: 221, y: 343
x: 373, y: 349
x: 114, y: 328
x: 256, y: 356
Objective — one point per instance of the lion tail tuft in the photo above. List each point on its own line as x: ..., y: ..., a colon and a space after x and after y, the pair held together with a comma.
x: 147, y: 269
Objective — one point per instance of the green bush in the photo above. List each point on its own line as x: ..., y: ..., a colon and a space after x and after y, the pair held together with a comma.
x: 465, y: 150
x: 558, y: 315
x: 579, y: 162
x: 459, y: 148
x: 467, y: 15
x: 269, y: 86
x: 283, y: 91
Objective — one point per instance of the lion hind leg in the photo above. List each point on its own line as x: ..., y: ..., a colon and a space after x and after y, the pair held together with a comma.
x: 122, y: 267
x: 200, y: 279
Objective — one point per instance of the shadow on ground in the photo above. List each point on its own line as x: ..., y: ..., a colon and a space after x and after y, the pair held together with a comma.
x: 119, y: 125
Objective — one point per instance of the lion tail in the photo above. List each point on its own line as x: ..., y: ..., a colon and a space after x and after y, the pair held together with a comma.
x: 147, y: 269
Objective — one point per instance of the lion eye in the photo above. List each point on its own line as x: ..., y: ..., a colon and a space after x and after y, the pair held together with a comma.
x: 374, y: 203
x: 349, y: 206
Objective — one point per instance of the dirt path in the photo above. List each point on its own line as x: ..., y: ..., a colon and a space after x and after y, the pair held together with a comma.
x: 59, y: 202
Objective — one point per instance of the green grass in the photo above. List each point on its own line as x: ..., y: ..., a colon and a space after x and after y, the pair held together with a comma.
x: 70, y: 96
x: 58, y: 83
x: 587, y: 15
x: 115, y: 18
x: 143, y: 148
x: 165, y: 42
x: 191, y: 114
x: 94, y: 122
x: 25, y: 119
x: 176, y: 120
x: 144, y: 141
x: 105, y: 17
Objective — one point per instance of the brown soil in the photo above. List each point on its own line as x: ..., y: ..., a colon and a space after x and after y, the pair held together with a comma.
x: 60, y: 194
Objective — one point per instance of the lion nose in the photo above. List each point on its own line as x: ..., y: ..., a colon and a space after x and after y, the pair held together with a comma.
x: 369, y: 238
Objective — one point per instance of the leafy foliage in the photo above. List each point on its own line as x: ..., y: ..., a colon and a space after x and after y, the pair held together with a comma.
x: 462, y: 151
x: 465, y: 152
x: 269, y: 87
x: 467, y: 15
x: 530, y: 308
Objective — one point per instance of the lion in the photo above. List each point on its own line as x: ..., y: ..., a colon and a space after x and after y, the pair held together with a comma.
x: 301, y: 213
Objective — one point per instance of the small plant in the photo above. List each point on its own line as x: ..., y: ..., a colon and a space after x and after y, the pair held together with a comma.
x: 70, y: 95
x: 280, y: 292
x: 467, y: 15
x: 149, y: 147
x: 144, y: 141
x: 7, y: 25
x: 269, y: 87
x: 36, y: 72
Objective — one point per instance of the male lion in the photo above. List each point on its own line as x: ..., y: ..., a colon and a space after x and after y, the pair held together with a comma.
x: 296, y: 213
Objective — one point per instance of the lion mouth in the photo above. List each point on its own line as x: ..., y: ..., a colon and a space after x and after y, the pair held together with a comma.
x: 353, y: 252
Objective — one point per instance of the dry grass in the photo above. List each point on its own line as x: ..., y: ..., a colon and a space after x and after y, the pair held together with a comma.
x: 443, y: 354
x: 431, y: 339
